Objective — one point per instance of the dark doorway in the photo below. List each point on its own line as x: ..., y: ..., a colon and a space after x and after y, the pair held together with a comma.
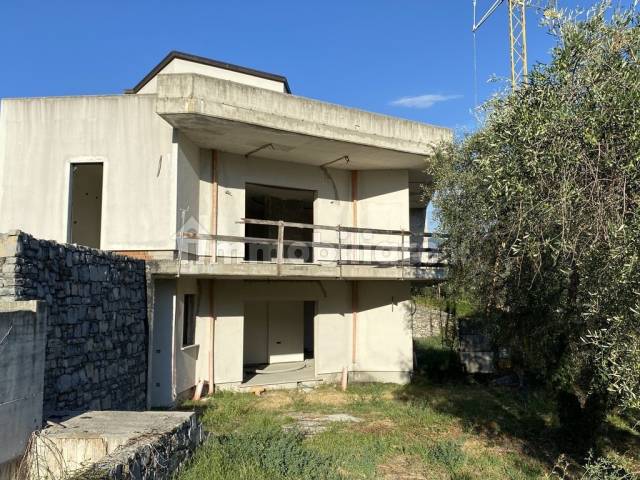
x: 263, y: 202
x: 309, y: 315
x: 85, y: 208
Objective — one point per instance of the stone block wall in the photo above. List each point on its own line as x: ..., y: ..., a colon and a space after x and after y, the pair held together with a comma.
x: 428, y: 322
x: 97, y: 320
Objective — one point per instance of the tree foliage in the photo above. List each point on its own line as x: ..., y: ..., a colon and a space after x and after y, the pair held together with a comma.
x: 542, y: 209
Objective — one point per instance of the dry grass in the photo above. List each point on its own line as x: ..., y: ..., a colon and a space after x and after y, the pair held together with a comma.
x: 402, y: 467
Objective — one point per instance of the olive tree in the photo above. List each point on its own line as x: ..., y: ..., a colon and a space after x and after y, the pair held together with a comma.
x: 542, y: 210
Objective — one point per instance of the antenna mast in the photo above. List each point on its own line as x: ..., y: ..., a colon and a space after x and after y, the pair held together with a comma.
x: 517, y: 31
x: 518, y: 41
x: 517, y: 35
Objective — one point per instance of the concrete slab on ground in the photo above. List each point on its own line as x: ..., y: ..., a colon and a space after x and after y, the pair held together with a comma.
x: 290, y: 372
x: 83, y: 440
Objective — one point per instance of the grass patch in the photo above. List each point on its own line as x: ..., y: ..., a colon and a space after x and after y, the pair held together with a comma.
x: 433, y: 428
x: 447, y: 453
x: 265, y: 452
x: 461, y: 307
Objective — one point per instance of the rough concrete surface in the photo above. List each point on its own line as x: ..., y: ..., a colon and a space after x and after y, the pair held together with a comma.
x: 23, y: 327
x: 311, y: 424
x: 184, y: 95
x: 116, y: 445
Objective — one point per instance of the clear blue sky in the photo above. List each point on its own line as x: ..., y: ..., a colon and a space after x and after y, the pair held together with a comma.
x: 361, y: 53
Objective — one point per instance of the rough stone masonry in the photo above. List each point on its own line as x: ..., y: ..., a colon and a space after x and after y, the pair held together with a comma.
x: 428, y: 322
x: 96, y: 335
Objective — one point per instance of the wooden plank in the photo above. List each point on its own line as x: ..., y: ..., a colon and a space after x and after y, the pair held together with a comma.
x: 402, y: 254
x: 393, y: 263
x: 197, y: 395
x: 340, y: 249
x: 232, y: 238
x: 280, y: 245
x: 254, y: 221
x: 303, y: 243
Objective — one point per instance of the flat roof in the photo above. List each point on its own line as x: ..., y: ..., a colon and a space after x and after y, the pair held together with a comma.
x: 210, y: 62
x: 247, y: 120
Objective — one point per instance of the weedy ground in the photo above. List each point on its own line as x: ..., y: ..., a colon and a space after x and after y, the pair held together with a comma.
x: 442, y: 426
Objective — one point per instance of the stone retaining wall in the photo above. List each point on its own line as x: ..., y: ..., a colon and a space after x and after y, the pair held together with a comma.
x: 96, y: 334
x: 428, y: 322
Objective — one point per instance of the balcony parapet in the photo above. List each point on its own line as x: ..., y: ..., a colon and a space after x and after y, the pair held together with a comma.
x: 409, y: 264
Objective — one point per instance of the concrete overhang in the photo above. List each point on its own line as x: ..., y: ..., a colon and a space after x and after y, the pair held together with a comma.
x: 271, y: 271
x: 242, y: 119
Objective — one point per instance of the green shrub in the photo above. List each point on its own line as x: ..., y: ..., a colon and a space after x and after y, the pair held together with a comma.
x: 605, y: 469
x: 436, y: 362
x: 266, y: 452
x: 447, y: 453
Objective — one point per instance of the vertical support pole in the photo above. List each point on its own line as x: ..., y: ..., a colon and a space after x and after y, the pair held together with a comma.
x: 340, y: 249
x: 402, y: 265
x: 518, y: 41
x: 354, y: 204
x: 523, y: 23
x: 354, y: 284
x: 212, y: 334
x: 182, y: 217
x: 354, y: 319
x: 280, y: 246
x: 214, y: 204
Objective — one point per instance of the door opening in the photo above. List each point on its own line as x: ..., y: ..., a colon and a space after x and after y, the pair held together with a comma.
x: 264, y: 202
x: 309, y: 315
x: 161, y: 388
x: 85, y: 204
x: 278, y: 342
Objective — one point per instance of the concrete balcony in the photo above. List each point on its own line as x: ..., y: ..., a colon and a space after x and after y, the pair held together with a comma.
x: 409, y: 262
x: 304, y: 271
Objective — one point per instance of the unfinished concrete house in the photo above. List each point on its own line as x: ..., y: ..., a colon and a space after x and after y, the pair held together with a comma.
x: 281, y: 234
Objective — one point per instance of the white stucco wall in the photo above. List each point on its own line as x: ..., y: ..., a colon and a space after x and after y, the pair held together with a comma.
x: 185, y: 358
x: 383, y: 345
x: 179, y: 65
x: 192, y: 363
x: 188, y: 189
x: 333, y: 328
x: 229, y: 328
x: 204, y: 332
x: 230, y: 296
x: 256, y: 325
x: 41, y: 137
x: 234, y: 171
x: 151, y: 174
x: 383, y: 201
x: 383, y: 340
